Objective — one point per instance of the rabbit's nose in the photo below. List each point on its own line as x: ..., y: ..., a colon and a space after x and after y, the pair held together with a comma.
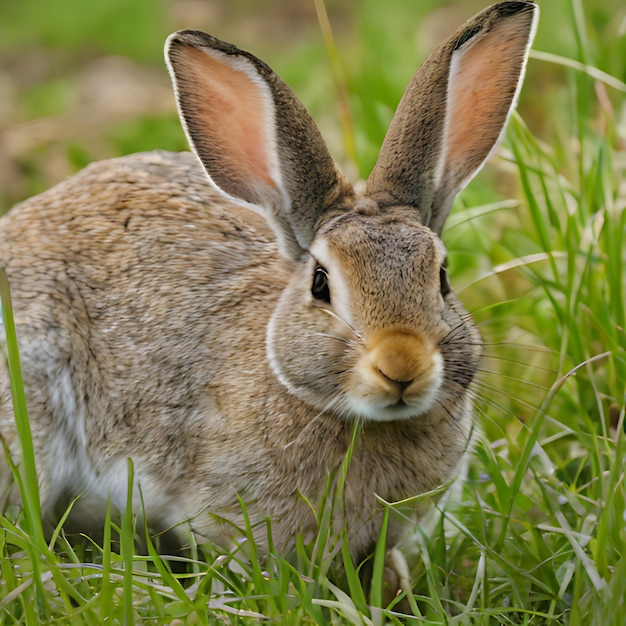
x: 399, y: 359
x: 401, y: 384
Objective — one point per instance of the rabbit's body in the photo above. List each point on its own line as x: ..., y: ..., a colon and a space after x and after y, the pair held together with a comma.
x: 177, y: 256
x: 233, y: 356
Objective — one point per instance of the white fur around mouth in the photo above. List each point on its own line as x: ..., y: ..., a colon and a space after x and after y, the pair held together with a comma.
x: 390, y: 410
x: 373, y: 397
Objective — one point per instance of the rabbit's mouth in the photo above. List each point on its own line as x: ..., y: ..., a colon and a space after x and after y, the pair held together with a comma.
x: 400, y: 407
x: 397, y: 377
x: 376, y: 407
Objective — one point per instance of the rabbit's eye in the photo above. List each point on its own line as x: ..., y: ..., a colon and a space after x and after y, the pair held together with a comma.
x: 444, y: 285
x: 320, y: 289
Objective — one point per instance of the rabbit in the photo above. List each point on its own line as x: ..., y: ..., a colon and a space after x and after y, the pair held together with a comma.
x: 237, y: 320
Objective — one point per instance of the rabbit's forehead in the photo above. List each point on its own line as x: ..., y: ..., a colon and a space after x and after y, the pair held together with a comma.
x: 381, y: 271
x: 380, y: 241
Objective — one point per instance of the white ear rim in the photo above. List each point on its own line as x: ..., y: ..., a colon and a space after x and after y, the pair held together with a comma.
x: 453, y: 73
x: 271, y: 209
x: 454, y: 64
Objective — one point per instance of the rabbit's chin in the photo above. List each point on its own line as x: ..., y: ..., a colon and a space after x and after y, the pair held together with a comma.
x: 380, y: 411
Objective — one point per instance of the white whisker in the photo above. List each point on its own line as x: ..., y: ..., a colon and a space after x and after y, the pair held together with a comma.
x: 483, y: 401
x: 331, y: 406
x: 492, y: 356
x: 340, y: 319
x: 501, y: 375
x: 492, y: 389
x: 335, y: 337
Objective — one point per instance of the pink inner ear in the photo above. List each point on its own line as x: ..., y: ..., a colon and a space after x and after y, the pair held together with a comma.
x: 482, y: 81
x: 231, y: 111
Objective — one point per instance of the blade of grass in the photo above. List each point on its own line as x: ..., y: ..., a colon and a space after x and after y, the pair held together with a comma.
x: 127, y: 546
x: 354, y: 583
x: 30, y: 495
x: 28, y: 483
x: 378, y: 569
x: 106, y: 588
x: 592, y: 72
x: 339, y: 80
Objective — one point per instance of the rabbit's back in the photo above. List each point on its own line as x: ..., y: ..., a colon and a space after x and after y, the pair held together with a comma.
x: 117, y: 277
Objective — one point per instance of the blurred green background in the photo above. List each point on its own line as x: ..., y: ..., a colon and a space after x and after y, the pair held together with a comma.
x: 81, y: 81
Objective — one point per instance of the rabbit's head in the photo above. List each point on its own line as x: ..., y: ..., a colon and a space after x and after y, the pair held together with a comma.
x: 368, y: 326
x: 363, y: 327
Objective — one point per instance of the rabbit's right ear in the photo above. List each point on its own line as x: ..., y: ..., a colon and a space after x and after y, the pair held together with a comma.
x: 453, y: 112
x: 255, y: 139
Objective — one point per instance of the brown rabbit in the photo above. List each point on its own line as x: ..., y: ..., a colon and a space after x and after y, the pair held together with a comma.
x: 231, y: 352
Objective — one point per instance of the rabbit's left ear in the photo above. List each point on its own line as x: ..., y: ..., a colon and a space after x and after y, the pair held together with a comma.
x: 453, y: 112
x: 255, y: 139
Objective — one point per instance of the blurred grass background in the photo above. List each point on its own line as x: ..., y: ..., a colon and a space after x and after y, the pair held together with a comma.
x: 81, y: 81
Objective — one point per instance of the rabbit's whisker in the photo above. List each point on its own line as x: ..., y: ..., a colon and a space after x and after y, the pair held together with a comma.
x: 454, y: 420
x: 520, y: 346
x: 497, y: 390
x: 483, y: 401
x: 508, y: 359
x: 524, y: 382
x: 335, y: 337
x: 490, y: 401
x: 457, y: 332
x: 346, y: 324
x: 331, y: 406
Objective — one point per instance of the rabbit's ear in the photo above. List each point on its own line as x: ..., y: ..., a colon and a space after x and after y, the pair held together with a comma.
x: 453, y: 112
x: 254, y: 137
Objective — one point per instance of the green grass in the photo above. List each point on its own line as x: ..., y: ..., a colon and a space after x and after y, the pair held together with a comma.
x: 537, y: 532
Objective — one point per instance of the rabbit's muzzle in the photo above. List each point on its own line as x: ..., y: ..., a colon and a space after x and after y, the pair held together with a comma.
x: 398, y: 374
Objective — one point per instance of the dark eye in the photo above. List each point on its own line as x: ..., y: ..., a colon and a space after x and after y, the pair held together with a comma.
x: 320, y: 289
x: 444, y: 285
